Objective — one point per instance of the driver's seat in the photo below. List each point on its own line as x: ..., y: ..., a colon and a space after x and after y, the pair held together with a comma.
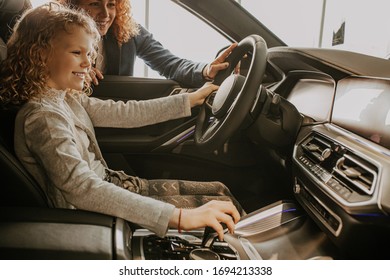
x: 19, y: 188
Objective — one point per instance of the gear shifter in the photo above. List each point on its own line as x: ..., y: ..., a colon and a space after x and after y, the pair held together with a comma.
x: 210, y: 235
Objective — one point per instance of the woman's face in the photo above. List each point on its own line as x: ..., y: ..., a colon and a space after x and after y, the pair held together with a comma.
x: 102, y: 11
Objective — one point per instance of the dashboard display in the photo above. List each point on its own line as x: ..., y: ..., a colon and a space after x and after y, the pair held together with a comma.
x: 362, y: 105
x: 313, y: 98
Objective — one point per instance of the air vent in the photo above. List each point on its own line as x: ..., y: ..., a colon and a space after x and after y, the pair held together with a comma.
x: 357, y: 172
x: 317, y: 149
x: 350, y: 176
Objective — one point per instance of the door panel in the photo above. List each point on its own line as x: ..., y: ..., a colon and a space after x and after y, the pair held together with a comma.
x: 146, y: 138
x: 126, y: 87
x: 118, y: 145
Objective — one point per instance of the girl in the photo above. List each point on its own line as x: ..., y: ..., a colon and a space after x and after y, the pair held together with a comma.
x: 49, y: 57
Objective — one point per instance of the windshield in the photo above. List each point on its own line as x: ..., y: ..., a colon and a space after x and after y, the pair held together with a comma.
x: 356, y: 25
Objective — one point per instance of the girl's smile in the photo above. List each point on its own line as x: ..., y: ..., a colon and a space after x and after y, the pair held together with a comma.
x: 70, y: 60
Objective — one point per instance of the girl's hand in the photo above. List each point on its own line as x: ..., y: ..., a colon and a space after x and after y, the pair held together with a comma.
x: 211, y: 214
x: 198, y: 97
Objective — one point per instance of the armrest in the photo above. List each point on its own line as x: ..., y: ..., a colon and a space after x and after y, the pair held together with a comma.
x: 43, y: 233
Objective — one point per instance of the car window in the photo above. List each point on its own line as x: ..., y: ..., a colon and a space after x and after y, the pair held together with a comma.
x: 178, y: 30
x: 359, y: 26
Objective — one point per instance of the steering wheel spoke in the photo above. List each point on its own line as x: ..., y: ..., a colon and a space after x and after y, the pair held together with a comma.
x: 211, y: 128
x: 210, y: 100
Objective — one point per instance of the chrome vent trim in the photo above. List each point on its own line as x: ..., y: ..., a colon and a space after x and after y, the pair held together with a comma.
x: 318, y: 148
x: 356, y: 172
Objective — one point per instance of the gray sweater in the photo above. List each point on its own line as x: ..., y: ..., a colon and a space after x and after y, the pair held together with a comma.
x: 55, y: 141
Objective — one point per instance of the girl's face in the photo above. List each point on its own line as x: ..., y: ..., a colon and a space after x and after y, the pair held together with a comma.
x: 70, y: 60
x: 102, y: 11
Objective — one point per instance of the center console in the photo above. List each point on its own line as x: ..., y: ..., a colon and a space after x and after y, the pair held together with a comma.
x: 278, y: 231
x: 179, y: 246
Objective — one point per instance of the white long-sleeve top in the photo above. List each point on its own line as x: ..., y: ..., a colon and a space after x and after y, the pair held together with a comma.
x: 55, y: 141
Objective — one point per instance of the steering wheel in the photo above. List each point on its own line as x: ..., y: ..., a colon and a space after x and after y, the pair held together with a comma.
x: 223, y: 113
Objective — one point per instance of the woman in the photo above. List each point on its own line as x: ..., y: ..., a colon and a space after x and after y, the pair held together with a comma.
x: 49, y: 57
x: 124, y: 39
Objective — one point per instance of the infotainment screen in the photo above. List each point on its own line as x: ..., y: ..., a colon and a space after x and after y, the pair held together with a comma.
x: 313, y: 98
x: 362, y: 105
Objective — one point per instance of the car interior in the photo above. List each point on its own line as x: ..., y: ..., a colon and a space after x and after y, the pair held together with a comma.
x: 301, y: 137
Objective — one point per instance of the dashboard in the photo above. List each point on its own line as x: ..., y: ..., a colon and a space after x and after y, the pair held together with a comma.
x: 341, y: 155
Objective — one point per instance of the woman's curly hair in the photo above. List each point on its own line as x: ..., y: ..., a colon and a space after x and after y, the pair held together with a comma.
x: 24, y: 73
x: 124, y: 26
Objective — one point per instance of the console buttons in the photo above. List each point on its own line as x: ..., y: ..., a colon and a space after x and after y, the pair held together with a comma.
x: 306, y: 162
x: 339, y: 189
x: 321, y: 173
x: 325, y: 177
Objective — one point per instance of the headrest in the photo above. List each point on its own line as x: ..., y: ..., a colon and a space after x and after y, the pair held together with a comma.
x: 11, y: 6
x: 10, y: 11
x: 3, y: 49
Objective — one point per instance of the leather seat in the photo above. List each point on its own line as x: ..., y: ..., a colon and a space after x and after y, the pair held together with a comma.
x: 10, y: 11
x: 18, y: 187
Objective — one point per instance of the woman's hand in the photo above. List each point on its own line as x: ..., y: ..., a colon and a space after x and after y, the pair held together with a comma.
x: 212, y: 69
x: 94, y: 76
x: 211, y: 214
x: 198, y: 97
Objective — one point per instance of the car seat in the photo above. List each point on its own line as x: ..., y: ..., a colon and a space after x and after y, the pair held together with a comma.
x: 18, y: 187
x: 10, y: 11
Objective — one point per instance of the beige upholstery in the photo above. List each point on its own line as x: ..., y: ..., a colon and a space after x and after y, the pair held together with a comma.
x: 3, y: 49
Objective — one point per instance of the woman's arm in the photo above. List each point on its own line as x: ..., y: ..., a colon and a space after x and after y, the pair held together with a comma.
x: 167, y: 64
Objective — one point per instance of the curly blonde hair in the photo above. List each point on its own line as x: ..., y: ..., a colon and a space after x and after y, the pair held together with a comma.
x: 124, y: 26
x: 24, y: 73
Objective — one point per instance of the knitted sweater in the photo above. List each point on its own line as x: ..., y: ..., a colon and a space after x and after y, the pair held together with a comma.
x: 55, y: 141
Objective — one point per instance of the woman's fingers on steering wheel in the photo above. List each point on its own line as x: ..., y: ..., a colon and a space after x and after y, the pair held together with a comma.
x: 219, y: 63
x: 222, y: 57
